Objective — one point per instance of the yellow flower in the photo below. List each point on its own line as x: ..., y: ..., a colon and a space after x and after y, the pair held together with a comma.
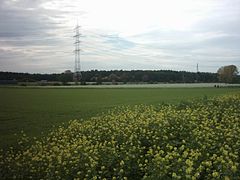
x: 234, y: 168
x: 215, y: 174
x: 189, y: 170
x: 174, y: 175
x: 226, y: 178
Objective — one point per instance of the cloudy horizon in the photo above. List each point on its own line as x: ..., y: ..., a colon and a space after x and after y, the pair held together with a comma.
x: 37, y: 36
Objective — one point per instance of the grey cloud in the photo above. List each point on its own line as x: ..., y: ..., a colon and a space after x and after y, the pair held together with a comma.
x: 16, y: 21
x: 225, y: 18
x: 28, y: 38
x: 118, y: 43
x: 213, y: 41
x: 34, y: 39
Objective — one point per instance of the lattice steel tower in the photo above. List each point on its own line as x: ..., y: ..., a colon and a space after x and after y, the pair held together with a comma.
x: 77, y: 76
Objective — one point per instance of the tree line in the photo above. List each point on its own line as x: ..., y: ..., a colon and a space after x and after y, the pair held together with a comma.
x: 227, y: 74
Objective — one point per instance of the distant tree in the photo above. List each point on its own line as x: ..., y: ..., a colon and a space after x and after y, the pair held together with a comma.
x: 99, y: 79
x: 119, y: 76
x: 124, y: 77
x: 66, y: 77
x: 145, y: 78
x: 227, y: 73
x: 113, y: 77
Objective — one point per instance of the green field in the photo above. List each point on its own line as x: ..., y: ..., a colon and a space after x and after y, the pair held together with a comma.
x: 194, y: 140
x: 37, y: 110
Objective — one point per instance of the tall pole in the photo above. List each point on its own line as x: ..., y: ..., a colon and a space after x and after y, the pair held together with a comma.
x: 197, y: 75
x: 77, y: 76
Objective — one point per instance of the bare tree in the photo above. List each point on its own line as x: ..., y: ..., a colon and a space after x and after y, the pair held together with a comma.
x: 227, y: 73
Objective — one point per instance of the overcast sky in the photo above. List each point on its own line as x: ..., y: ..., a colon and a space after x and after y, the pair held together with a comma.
x: 37, y: 35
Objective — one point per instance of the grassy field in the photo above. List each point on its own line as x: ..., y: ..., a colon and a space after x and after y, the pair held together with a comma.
x: 37, y: 110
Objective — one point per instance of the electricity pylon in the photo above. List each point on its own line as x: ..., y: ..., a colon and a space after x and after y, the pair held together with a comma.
x: 77, y: 76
